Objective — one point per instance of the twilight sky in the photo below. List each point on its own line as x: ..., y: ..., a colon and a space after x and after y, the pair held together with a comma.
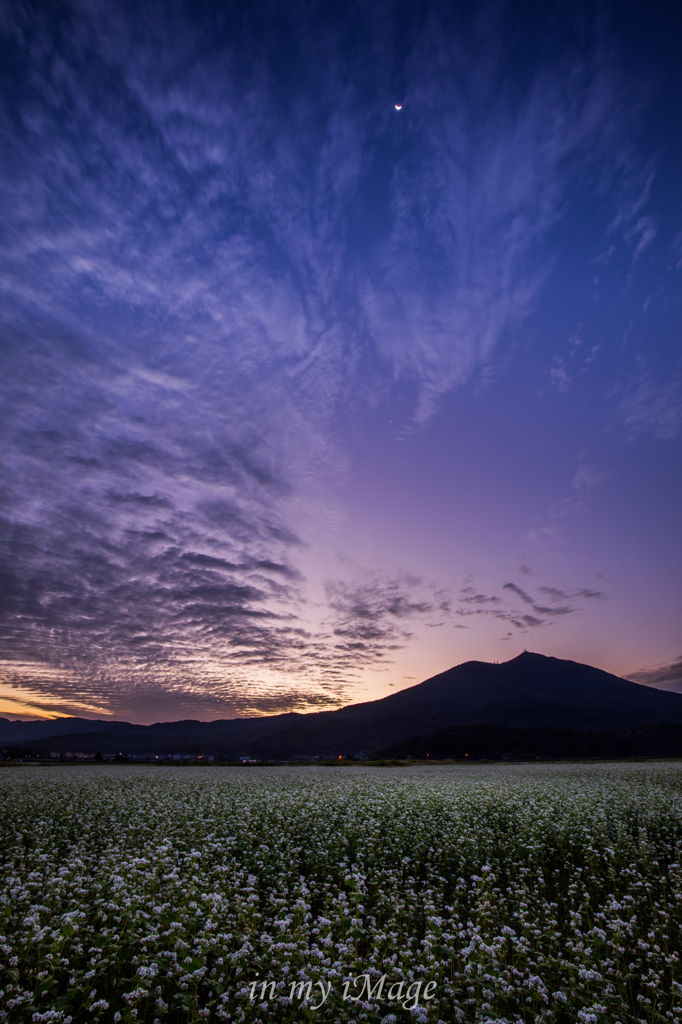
x: 305, y: 397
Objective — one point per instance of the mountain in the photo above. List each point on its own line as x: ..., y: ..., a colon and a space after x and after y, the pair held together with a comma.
x: 31, y: 732
x: 530, y: 691
x: 70, y: 731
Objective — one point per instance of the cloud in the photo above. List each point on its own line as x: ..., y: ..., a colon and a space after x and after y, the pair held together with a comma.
x: 471, y: 597
x: 227, y: 621
x: 526, y: 620
x: 230, y: 191
x: 554, y: 593
x: 559, y: 377
x: 643, y: 234
x: 561, y: 595
x: 647, y: 407
x: 588, y: 478
x: 565, y: 369
x: 518, y: 591
x: 541, y: 534
x: 543, y: 610
x: 211, y: 241
x: 663, y: 677
x: 479, y: 196
x: 371, y: 612
x: 504, y: 610
x: 590, y: 595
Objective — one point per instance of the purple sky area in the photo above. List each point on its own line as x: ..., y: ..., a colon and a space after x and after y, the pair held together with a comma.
x: 304, y: 397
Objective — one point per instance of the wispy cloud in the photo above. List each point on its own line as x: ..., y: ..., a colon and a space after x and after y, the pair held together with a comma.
x: 647, y: 406
x: 561, y: 595
x: 479, y: 195
x: 559, y: 375
x: 519, y: 592
x: 504, y: 609
x: 588, y: 479
x: 470, y: 596
x: 371, y: 614
x: 663, y: 677
x: 209, y: 241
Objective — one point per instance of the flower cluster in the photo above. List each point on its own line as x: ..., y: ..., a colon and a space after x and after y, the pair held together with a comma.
x: 510, y: 893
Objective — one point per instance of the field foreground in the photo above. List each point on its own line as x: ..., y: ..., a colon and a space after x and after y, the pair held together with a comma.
x: 499, y: 893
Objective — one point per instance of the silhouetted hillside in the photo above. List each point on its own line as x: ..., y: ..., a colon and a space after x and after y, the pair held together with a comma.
x: 528, y: 692
x: 531, y: 691
x: 72, y: 733
x: 496, y: 743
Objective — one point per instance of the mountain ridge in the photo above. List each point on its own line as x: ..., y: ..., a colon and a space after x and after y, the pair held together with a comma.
x: 529, y: 691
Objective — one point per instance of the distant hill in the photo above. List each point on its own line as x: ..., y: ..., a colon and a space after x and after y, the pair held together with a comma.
x: 529, y: 692
x: 498, y: 742
x: 69, y: 731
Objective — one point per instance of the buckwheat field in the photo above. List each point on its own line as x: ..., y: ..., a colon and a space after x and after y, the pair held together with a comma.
x: 510, y: 893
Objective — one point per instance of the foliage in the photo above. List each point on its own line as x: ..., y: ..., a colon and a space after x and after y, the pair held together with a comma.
x: 526, y: 893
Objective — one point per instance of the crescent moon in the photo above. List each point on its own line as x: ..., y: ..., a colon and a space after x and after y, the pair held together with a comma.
x: 398, y: 106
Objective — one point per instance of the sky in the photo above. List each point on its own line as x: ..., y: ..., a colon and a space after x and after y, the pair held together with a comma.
x: 339, y: 345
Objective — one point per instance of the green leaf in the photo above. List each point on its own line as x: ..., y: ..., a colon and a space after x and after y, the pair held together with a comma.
x: 45, y: 986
